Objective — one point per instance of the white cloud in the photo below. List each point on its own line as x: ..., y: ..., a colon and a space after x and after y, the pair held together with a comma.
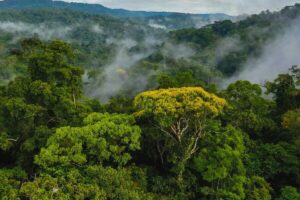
x: 232, y: 7
x: 45, y: 31
x: 277, y: 57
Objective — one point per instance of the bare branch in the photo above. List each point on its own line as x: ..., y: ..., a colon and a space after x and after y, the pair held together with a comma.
x: 170, y: 134
x: 14, y: 140
x: 195, y: 147
x: 160, y: 153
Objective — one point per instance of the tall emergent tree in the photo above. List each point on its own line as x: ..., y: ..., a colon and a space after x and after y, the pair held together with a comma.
x: 180, y: 113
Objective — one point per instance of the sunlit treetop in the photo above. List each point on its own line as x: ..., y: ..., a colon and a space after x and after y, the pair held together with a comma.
x: 105, y: 139
x: 291, y: 119
x: 169, y: 105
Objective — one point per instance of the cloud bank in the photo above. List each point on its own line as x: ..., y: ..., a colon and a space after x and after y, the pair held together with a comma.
x: 278, y: 56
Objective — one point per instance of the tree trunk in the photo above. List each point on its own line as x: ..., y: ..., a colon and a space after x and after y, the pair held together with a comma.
x: 182, y: 163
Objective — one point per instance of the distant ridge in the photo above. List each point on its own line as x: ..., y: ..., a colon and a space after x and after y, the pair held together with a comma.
x: 92, y: 9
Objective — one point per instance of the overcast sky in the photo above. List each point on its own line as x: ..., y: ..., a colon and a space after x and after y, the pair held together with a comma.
x: 232, y: 7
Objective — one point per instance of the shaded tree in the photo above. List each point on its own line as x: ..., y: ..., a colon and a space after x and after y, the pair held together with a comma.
x: 219, y: 162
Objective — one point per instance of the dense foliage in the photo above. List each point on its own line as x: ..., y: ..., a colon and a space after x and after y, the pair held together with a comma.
x: 99, y: 9
x: 182, y: 139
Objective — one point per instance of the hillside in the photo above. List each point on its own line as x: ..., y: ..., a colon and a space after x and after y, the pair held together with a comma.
x: 228, y: 48
x: 97, y: 38
x: 245, y: 38
x: 128, y: 51
x: 161, y: 18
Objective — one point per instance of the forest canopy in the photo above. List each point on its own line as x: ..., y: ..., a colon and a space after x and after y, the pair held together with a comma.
x: 178, y: 138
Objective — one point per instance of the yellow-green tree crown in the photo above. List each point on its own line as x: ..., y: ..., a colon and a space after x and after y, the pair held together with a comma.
x: 291, y: 119
x: 169, y: 105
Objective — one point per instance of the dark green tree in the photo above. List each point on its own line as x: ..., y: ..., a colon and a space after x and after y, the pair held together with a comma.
x: 248, y: 110
x: 289, y: 193
x: 49, y: 97
x: 285, y: 90
x: 220, y: 163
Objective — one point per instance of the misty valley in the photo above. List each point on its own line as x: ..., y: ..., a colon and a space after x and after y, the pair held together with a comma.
x: 113, y: 104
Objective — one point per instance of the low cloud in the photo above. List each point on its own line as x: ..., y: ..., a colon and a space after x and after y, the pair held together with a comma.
x: 277, y: 57
x: 44, y: 31
x: 97, y: 29
x: 227, y: 46
x: 177, y: 51
x: 157, y: 26
x: 115, y: 76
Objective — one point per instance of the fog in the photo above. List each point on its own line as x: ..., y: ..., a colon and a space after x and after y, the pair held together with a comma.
x: 154, y: 24
x: 115, y: 76
x: 177, y: 51
x: 228, y: 45
x: 43, y: 30
x: 278, y: 56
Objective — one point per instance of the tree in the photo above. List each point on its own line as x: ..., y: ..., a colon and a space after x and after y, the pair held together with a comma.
x: 257, y: 188
x: 291, y: 123
x: 224, y: 28
x: 272, y: 161
x: 46, y: 187
x: 291, y: 120
x: 88, y: 162
x: 284, y: 88
x: 289, y: 193
x: 105, y: 139
x: 17, y: 117
x: 183, y: 79
x: 92, y: 182
x: 52, y: 63
x: 48, y: 97
x: 248, y: 110
x: 11, y: 180
x: 232, y: 62
x: 219, y: 162
x: 181, y: 114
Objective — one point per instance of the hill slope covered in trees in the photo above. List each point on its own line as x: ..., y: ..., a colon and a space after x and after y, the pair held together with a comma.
x: 125, y: 51
x: 164, y: 19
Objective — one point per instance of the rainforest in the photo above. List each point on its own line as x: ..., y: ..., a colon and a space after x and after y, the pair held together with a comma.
x: 115, y: 104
